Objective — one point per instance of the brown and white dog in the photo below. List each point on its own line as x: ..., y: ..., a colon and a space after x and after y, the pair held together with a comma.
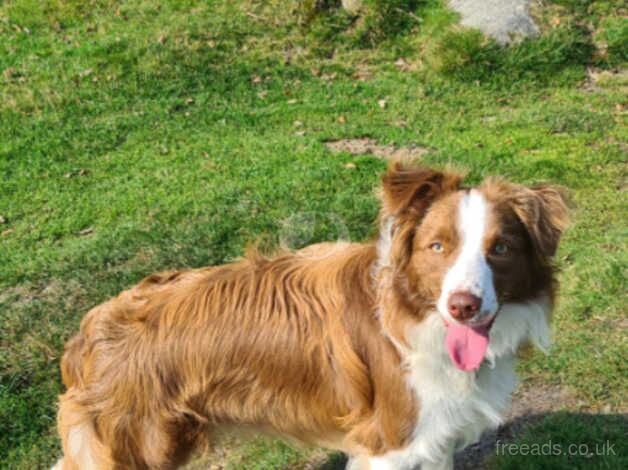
x: 397, y: 352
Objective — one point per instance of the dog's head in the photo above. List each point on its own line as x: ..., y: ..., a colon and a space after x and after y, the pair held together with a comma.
x: 466, y: 252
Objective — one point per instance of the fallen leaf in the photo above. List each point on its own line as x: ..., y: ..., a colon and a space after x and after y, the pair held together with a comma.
x: 297, y: 123
x: 342, y: 119
x: 6, y: 232
x: 86, y: 231
x: 262, y: 94
x: 10, y: 73
x: 299, y: 133
x: 382, y: 103
x: 292, y: 101
x: 402, y: 65
x: 3, y: 219
x: 189, y: 100
x: 350, y: 166
x: 363, y: 73
x: 400, y: 123
x: 256, y: 79
x: 75, y: 172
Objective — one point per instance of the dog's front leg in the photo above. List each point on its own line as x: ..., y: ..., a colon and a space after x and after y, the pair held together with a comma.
x: 446, y: 463
x: 358, y: 462
x: 363, y: 462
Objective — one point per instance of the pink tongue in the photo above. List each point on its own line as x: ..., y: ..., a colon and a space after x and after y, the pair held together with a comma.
x: 467, y: 346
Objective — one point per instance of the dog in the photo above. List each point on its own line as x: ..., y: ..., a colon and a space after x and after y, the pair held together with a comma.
x: 397, y: 351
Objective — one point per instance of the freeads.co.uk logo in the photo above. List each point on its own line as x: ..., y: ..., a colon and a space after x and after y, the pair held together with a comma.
x: 550, y: 448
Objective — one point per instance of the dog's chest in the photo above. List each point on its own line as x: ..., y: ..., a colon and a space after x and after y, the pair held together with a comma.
x: 455, y: 406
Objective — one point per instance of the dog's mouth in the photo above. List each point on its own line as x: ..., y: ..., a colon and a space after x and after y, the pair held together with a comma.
x: 467, y: 343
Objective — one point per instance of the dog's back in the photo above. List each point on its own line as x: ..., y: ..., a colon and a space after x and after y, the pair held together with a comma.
x: 253, y: 343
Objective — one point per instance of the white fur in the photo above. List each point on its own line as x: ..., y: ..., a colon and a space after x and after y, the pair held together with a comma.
x: 457, y: 406
x: 79, y: 447
x: 58, y: 465
x: 471, y: 272
x: 384, y: 244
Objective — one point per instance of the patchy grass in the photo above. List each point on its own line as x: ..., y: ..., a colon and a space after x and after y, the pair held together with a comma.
x: 141, y: 136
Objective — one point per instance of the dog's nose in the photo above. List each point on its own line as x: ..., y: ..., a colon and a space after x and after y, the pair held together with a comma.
x: 463, y: 305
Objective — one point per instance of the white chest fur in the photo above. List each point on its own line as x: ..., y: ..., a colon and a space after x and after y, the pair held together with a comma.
x: 457, y: 406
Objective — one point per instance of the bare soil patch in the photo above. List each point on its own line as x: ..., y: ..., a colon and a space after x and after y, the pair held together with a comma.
x: 367, y: 146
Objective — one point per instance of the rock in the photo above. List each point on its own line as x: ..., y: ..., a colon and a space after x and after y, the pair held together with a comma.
x: 502, y: 20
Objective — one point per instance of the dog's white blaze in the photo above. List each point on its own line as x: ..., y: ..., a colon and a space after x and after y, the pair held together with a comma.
x: 471, y: 272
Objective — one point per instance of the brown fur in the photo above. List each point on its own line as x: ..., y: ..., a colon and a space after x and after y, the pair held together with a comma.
x: 180, y: 353
x: 291, y: 344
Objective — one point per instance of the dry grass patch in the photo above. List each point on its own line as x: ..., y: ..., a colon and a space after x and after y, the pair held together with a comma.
x: 601, y: 81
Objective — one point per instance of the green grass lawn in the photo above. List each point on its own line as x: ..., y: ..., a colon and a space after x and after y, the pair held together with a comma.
x: 143, y: 136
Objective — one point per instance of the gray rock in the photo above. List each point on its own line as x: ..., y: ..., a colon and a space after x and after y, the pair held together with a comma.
x: 502, y: 20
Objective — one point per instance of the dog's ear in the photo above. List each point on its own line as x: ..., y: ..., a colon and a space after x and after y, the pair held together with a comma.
x: 544, y: 211
x: 408, y: 190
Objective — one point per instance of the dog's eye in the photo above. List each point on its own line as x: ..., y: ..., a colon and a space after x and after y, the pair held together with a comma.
x: 500, y: 249
x: 436, y: 247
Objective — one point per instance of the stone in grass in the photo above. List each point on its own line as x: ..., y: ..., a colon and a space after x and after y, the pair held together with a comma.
x: 503, y: 20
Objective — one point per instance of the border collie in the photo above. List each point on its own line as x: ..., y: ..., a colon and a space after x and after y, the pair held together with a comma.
x: 397, y: 352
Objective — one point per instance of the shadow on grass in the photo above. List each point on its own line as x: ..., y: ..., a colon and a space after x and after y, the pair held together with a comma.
x: 556, y: 441
x: 552, y: 441
x: 466, y: 55
x: 334, y: 462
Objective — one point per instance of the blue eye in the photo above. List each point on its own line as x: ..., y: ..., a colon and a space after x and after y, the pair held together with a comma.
x: 500, y: 249
x: 436, y: 247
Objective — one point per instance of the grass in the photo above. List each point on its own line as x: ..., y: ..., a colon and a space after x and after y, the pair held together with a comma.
x: 142, y: 136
